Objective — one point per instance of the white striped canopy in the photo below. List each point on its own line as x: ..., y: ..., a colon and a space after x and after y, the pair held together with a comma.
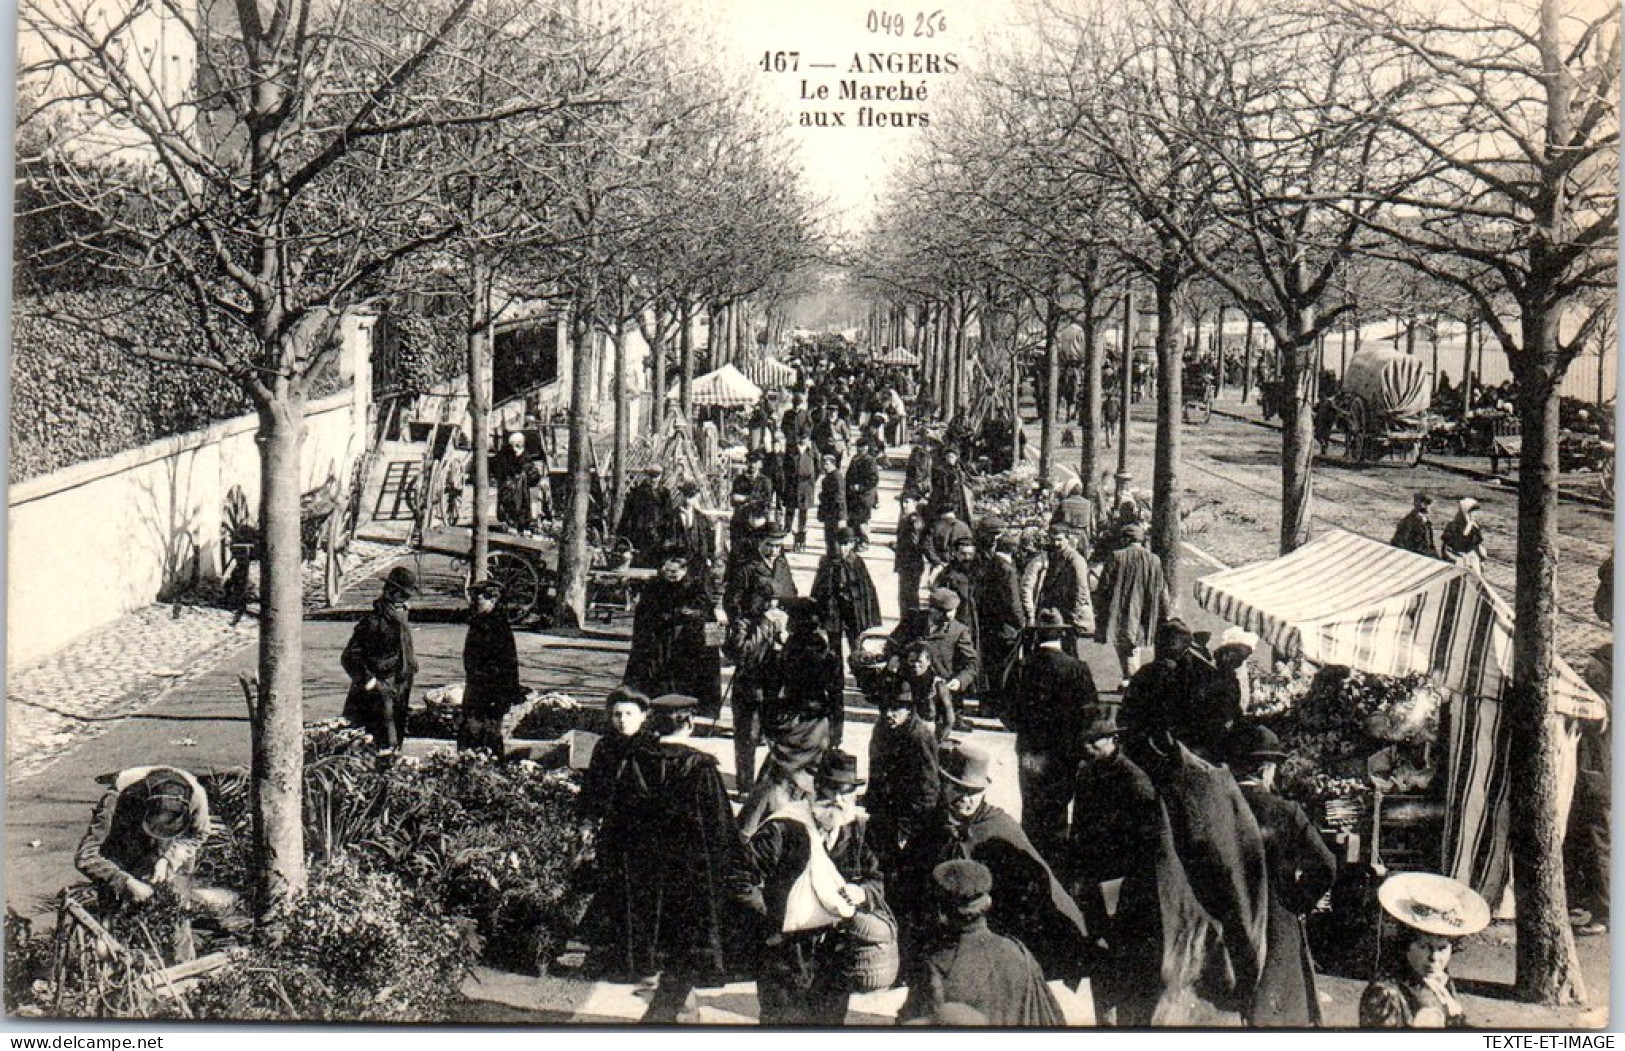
x: 770, y: 373
x: 726, y: 387
x: 899, y: 356
x: 1349, y: 600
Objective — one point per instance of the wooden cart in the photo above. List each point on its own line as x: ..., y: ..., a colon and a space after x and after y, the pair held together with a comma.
x: 527, y: 567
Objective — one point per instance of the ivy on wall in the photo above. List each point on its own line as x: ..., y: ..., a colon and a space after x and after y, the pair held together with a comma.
x: 78, y: 396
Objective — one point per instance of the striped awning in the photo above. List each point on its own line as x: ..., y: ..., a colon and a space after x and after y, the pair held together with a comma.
x: 727, y: 387
x: 770, y: 373
x: 901, y: 357
x: 1350, y: 600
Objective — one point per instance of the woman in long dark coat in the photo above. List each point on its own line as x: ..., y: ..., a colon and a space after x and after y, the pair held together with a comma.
x: 669, y: 652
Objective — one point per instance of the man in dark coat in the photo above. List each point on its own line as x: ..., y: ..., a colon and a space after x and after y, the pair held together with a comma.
x: 691, y: 531
x: 944, y: 535
x: 1029, y: 903
x: 381, y: 663
x: 959, y: 576
x: 910, y: 554
x: 801, y: 979
x: 1160, y: 698
x: 513, y: 473
x: 756, y: 631
x: 917, y: 475
x: 999, y: 613
x: 949, y: 485
x: 1064, y: 586
x: 1415, y: 532
x: 672, y: 869
x: 669, y: 653
x: 490, y: 671
x: 1117, y: 833
x: 1301, y: 871
x: 862, y: 489
x: 1131, y: 597
x: 843, y: 591
x: 752, y: 486
x: 904, y: 783
x: 805, y: 715
x: 993, y: 975
x: 1046, y: 709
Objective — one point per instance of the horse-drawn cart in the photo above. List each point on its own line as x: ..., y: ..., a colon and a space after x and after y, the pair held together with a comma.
x: 527, y: 567
x: 1382, y: 408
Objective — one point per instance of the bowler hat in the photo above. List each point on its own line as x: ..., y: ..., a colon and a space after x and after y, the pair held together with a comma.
x: 1050, y: 622
x: 962, y: 882
x: 403, y: 580
x: 944, y: 599
x: 1250, y: 741
x: 966, y: 765
x: 1174, y: 626
x: 838, y: 770
x: 843, y: 535
x: 1100, y: 720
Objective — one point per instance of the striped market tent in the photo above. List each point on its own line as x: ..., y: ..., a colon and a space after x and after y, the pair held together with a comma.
x: 727, y: 387
x: 1350, y: 600
x: 770, y: 373
x: 900, y: 357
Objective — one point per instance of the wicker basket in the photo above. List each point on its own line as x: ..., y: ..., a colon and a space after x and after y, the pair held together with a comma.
x: 871, y: 946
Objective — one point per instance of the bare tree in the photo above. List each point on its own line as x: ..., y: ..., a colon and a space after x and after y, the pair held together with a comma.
x: 1516, y: 124
x: 267, y: 194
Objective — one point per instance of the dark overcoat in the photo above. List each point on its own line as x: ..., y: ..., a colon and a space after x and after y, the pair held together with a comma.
x: 669, y: 653
x: 672, y: 872
x: 1302, y: 870
x: 994, y: 975
x: 380, y: 648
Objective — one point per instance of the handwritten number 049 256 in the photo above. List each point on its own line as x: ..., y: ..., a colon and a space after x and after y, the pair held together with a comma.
x: 895, y: 23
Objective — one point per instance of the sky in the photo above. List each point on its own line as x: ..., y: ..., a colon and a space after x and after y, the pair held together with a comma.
x: 847, y: 165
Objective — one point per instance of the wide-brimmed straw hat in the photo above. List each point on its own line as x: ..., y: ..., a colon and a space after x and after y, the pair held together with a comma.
x: 1434, y: 904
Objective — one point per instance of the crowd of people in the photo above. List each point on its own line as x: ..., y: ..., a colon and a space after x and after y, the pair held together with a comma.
x: 1152, y: 854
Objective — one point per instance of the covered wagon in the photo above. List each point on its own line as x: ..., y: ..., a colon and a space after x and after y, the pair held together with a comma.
x: 1382, y: 408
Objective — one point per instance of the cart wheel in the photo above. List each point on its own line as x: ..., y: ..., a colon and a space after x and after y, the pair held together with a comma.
x: 522, y: 587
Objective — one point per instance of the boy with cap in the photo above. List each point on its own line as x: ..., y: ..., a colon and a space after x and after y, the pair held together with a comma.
x: 381, y: 663
x: 993, y: 975
x: 490, y: 671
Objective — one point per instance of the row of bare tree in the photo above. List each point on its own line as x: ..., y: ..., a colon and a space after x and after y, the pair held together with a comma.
x: 274, y: 164
x: 1307, y: 163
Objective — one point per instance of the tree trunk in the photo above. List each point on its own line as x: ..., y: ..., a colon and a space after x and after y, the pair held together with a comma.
x: 1247, y: 362
x: 479, y: 410
x: 1297, y: 435
x: 1547, y: 971
x: 277, y: 732
x: 1089, y: 410
x: 623, y: 432
x: 1052, y: 394
x: 685, y: 341
x: 574, y: 558
x: 1170, y: 411
x: 657, y: 378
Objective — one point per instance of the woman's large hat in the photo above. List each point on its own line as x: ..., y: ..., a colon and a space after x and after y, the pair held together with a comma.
x: 1434, y: 904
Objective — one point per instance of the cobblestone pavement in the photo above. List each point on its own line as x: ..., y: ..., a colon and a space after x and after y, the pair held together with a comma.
x: 71, y: 696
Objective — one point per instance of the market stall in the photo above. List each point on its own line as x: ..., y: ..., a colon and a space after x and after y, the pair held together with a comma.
x: 725, y: 388
x: 1384, y: 611
x: 897, y: 357
x: 770, y: 374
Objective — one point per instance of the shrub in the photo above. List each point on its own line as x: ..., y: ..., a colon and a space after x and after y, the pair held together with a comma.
x: 357, y: 946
